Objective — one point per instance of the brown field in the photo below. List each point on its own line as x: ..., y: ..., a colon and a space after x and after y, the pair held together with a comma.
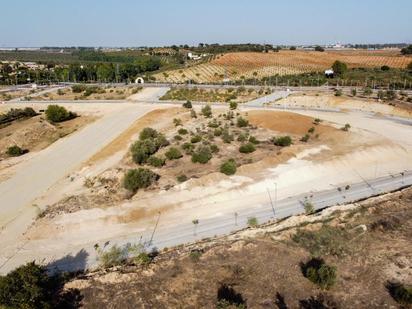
x: 251, y: 64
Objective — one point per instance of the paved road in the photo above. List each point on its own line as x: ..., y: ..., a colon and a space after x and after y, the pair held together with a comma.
x: 183, y: 231
x: 36, y: 175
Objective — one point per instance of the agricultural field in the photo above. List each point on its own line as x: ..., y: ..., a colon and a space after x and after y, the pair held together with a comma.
x: 247, y: 65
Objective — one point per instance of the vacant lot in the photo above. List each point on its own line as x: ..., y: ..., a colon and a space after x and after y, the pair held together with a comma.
x: 370, y: 246
x: 237, y: 66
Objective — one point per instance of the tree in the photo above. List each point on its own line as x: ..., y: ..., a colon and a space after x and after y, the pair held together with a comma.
x: 309, y: 208
x: 282, y: 141
x: 317, y: 271
x: 173, y: 154
x: 319, y: 48
x: 409, y: 67
x: 138, y: 179
x: 339, y: 68
x: 56, y: 113
x: 26, y: 287
x: 354, y: 92
x: 187, y: 104
x: 385, y: 68
x: 292, y: 48
x: 407, y: 50
x: 15, y: 151
x: 232, y: 105
x: 228, y: 167
x: 247, y: 148
x: 242, y: 122
x: 207, y: 111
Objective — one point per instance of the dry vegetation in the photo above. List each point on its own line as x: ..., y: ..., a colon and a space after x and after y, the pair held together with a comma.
x: 250, y: 65
x: 368, y: 244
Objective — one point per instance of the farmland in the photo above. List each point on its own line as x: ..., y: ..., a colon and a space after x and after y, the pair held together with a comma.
x: 248, y: 65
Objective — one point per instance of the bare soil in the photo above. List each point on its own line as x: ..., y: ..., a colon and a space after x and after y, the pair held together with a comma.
x: 369, y: 244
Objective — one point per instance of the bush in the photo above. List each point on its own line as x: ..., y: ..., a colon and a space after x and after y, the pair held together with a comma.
x: 182, y: 131
x: 242, y: 122
x: 353, y: 92
x: 401, y: 293
x: 253, y: 140
x: 282, y: 141
x: 229, y: 167
x: 26, y: 287
x: 339, y: 68
x: 202, y: 155
x: 385, y: 68
x: 195, y: 139
x: 147, y: 133
x: 317, y: 271
x: 173, y: 154
x: 15, y: 151
x: 227, y: 137
x: 56, y: 113
x: 247, y: 148
x: 311, y: 130
x: 367, y: 91
x: 136, y: 179
x: 227, y: 297
x: 242, y: 137
x: 207, y: 111
x: 309, y: 208
x: 338, y: 93
x: 178, y: 138
x: 150, y: 141
x: 217, y: 132
x: 193, y: 113
x: 78, y: 88
x: 156, y: 161
x: 177, y: 122
x: 232, y: 105
x: 252, y: 222
x: 17, y: 113
x: 214, y: 148
x: 188, y: 148
x: 187, y: 104
x: 319, y: 48
x: 346, y: 127
x: 305, y: 138
x: 113, y: 257
x: 181, y: 178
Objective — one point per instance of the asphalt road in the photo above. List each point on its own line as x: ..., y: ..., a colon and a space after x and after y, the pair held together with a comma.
x: 35, y: 176
x: 184, y: 231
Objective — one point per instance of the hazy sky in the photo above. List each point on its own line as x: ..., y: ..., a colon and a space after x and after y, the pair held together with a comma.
x: 162, y: 22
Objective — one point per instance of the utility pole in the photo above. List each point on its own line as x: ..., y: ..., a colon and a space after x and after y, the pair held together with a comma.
x: 154, y: 230
x: 236, y: 214
x: 271, y: 203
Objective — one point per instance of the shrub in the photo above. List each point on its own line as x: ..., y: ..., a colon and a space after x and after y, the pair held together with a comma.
x: 78, y: 88
x: 339, y: 68
x: 217, y: 132
x: 367, y: 91
x: 178, y: 137
x: 113, y: 257
x: 187, y: 104
x: 177, y: 122
x: 242, y: 122
x: 401, y: 293
x: 188, y: 148
x: 228, y: 167
x: 232, y: 105
x: 227, y: 297
x: 25, y: 287
x: 311, y: 130
x: 17, y: 113
x: 173, y: 154
x: 193, y: 113
x: 195, y: 139
x: 56, y: 113
x: 60, y: 92
x: 317, y: 271
x: 253, y: 140
x: 242, y: 137
x: 282, y: 141
x: 247, y: 148
x: 182, y: 131
x: 346, y: 127
x: 317, y: 121
x: 213, y: 124
x: 147, y: 133
x: 138, y: 179
x: 214, y: 148
x: 207, y: 111
x: 252, y: 222
x: 338, y: 93
x: 181, y: 178
x: 202, y: 155
x: 309, y: 208
x: 227, y: 137
x: 15, y: 151
x: 305, y: 138
x: 319, y: 48
x: 156, y: 161
x: 150, y: 141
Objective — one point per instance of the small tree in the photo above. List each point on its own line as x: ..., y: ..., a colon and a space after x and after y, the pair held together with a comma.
x: 354, y: 92
x: 56, y: 113
x: 282, y: 141
x: 187, y: 104
x: 317, y: 271
x: 339, y: 68
x: 247, y: 148
x: 138, y: 179
x: 232, y: 105
x: 319, y: 48
x: 15, y: 151
x: 309, y: 208
x: 242, y: 122
x: 173, y: 154
x: 207, y: 111
x: 202, y: 155
x: 252, y: 221
x: 228, y: 167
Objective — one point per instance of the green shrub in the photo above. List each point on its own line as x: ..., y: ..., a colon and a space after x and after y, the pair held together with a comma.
x: 142, y: 259
x: 193, y: 113
x: 181, y: 178
x: 188, y: 148
x: 207, y: 111
x: 338, y: 93
x: 15, y: 151
x: 309, y: 208
x: 150, y: 141
x: 242, y: 122
x: 247, y: 148
x: 27, y: 286
x: 346, y: 127
x: 227, y: 137
x: 195, y: 139
x: 305, y: 138
x: 242, y: 137
x: 113, y: 257
x: 228, y: 167
x: 401, y: 293
x: 17, y: 113
x: 202, y: 155
x: 173, y: 154
x: 177, y: 122
x: 232, y: 105
x: 182, y: 131
x: 60, y: 92
x: 253, y: 140
x: 367, y: 91
x: 213, y: 124
x: 217, y: 132
x: 282, y: 141
x: 317, y: 271
x: 311, y: 130
x: 136, y: 179
x: 214, y: 148
x: 178, y: 137
x: 252, y: 222
x: 187, y: 104
x: 156, y: 161
x: 56, y: 113
x: 78, y: 88
x: 147, y: 133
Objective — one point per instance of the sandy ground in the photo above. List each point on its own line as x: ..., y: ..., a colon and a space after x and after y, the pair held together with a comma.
x: 375, y: 146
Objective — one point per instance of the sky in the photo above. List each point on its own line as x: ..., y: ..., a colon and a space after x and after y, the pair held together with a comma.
x: 36, y: 23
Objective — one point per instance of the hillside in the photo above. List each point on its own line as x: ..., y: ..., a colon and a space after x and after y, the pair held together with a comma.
x: 369, y: 244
